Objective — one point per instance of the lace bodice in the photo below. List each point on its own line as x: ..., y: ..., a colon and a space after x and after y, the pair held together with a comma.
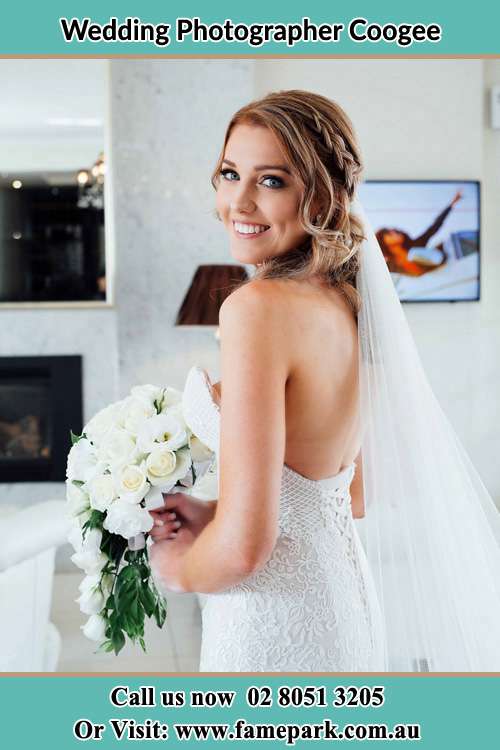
x: 312, y: 607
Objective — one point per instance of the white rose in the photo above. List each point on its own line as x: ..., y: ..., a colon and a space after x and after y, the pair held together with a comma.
x: 101, y: 491
x: 160, y: 462
x: 131, y: 484
x: 164, y: 430
x: 199, y: 451
x: 127, y: 520
x: 95, y: 628
x: 118, y: 448
x: 83, y: 462
x: 77, y: 500
x: 165, y: 468
x: 135, y: 412
x: 103, y: 422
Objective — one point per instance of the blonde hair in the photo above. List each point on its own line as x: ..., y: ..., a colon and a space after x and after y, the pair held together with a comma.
x: 319, y: 143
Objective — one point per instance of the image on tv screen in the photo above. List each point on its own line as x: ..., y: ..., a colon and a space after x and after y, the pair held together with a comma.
x: 429, y: 235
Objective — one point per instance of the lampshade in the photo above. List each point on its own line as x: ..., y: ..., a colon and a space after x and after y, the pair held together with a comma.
x: 209, y: 288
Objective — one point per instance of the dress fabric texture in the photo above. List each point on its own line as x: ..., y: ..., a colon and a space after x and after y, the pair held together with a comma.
x: 313, y: 607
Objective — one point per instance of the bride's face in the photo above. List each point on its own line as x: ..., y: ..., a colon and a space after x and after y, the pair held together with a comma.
x: 258, y: 197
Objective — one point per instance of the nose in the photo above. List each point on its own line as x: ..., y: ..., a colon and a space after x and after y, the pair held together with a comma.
x: 242, y: 201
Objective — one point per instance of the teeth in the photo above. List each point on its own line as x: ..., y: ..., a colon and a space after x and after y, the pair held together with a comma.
x: 249, y: 228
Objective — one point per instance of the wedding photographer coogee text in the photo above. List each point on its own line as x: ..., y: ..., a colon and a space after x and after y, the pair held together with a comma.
x: 132, y: 29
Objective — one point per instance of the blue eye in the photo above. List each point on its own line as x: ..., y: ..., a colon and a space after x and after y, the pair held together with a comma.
x: 272, y: 181
x: 225, y: 173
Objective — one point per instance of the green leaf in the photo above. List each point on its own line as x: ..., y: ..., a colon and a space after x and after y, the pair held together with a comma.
x: 75, y: 438
x: 148, y: 601
x: 160, y: 613
x: 118, y: 641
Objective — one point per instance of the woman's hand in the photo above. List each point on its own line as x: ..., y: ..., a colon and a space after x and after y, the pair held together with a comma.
x: 166, y: 560
x: 457, y: 197
x: 181, y: 510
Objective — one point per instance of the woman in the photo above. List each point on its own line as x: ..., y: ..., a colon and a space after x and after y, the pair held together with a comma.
x: 281, y: 545
x: 313, y: 368
x: 397, y: 244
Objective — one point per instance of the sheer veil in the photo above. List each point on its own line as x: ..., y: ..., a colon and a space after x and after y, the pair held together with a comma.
x: 431, y: 531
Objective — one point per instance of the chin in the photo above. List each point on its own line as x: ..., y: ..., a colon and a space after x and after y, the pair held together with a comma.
x: 247, y: 256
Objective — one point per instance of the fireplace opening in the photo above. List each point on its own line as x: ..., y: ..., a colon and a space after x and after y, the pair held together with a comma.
x: 40, y: 402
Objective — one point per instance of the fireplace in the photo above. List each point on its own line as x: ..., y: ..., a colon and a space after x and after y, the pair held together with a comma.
x: 40, y: 402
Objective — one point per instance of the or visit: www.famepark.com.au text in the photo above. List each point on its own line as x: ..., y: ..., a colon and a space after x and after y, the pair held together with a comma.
x: 291, y: 733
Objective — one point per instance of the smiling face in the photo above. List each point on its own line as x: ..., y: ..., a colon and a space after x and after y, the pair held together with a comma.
x: 258, y: 197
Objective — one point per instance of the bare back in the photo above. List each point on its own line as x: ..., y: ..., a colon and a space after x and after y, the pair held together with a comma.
x: 321, y: 413
x: 322, y: 394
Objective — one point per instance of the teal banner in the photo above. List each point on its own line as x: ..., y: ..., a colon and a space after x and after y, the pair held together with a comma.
x: 281, y: 710
x: 183, y: 28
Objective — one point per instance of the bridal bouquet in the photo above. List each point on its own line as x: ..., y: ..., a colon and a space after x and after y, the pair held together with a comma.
x: 126, y: 457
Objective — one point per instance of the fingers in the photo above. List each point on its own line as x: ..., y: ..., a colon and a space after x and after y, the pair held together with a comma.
x: 174, y: 500
x: 165, y: 527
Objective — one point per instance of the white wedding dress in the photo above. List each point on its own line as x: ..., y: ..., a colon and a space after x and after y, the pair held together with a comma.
x: 313, y: 607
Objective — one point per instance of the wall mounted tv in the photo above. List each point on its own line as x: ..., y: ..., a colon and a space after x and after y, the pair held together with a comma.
x: 429, y: 234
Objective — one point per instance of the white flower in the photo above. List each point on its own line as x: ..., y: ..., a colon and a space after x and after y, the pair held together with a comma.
x: 148, y: 394
x: 160, y: 463
x: 102, y: 422
x: 92, y: 599
x: 171, y: 397
x: 95, y: 628
x: 165, y: 468
x: 75, y: 537
x: 131, y: 484
x: 94, y: 591
x: 199, y: 451
x: 90, y: 561
x: 118, y: 448
x: 83, y: 462
x: 88, y: 555
x: 164, y: 430
x: 77, y: 500
x: 101, y: 491
x: 135, y: 412
x: 127, y: 520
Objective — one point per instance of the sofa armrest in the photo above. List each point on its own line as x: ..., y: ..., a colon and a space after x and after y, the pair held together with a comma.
x: 32, y: 530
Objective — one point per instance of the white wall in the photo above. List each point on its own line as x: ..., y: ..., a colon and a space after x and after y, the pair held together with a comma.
x: 426, y: 119
x: 168, y: 122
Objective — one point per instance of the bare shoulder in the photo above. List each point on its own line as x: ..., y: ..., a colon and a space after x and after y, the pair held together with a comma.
x: 257, y: 301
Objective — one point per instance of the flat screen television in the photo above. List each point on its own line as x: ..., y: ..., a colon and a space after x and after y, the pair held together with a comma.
x: 429, y: 234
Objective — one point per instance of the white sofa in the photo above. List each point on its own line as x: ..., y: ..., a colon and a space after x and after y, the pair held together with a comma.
x: 29, y: 642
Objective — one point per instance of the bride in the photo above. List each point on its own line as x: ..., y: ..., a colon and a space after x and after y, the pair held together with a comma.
x: 324, y: 416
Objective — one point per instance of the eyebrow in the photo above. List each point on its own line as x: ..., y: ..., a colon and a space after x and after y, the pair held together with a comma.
x: 261, y: 167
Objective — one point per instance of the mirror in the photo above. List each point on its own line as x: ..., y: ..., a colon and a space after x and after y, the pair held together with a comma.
x: 52, y: 182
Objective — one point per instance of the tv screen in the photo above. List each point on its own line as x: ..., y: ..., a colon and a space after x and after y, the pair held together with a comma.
x: 429, y: 234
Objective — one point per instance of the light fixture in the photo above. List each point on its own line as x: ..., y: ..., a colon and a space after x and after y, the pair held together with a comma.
x: 17, y: 184
x: 210, y: 286
x: 91, y: 185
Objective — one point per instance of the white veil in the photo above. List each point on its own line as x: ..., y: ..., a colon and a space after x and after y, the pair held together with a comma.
x: 431, y: 530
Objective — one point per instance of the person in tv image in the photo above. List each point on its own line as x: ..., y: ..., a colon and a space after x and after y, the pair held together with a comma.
x: 397, y: 246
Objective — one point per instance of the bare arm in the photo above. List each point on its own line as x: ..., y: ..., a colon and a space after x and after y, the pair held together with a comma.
x: 254, y: 367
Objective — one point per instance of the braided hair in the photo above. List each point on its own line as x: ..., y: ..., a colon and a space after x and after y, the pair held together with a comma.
x: 319, y: 144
